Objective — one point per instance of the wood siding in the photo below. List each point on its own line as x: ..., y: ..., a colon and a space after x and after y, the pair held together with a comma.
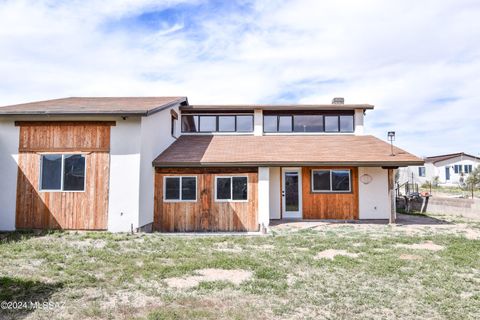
x: 342, y: 206
x: 206, y: 214
x: 86, y: 210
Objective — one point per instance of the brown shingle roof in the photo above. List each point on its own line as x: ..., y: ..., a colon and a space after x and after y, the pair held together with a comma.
x: 142, y: 106
x: 208, y: 150
x: 436, y: 159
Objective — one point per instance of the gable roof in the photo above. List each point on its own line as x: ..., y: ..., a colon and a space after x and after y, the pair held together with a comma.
x: 435, y: 159
x: 227, y: 150
x: 141, y: 106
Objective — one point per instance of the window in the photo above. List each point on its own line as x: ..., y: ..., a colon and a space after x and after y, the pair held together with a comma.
x: 346, y: 123
x: 467, y: 168
x: 331, y: 181
x: 217, y: 123
x: 285, y: 124
x: 331, y: 123
x: 189, y: 123
x: 208, y: 123
x: 226, y: 123
x: 270, y: 123
x: 62, y: 172
x: 421, y: 171
x: 307, y: 123
x: 231, y: 188
x: 457, y: 168
x: 244, y: 123
x: 180, y: 189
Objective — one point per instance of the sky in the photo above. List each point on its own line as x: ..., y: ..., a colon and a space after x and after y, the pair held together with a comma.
x: 418, y: 62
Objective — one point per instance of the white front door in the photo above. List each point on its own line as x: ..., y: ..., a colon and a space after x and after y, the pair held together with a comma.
x: 291, y: 193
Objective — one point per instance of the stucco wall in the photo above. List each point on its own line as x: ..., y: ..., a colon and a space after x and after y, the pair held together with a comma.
x: 123, y: 201
x: 8, y: 168
x: 373, y: 197
x: 156, y: 137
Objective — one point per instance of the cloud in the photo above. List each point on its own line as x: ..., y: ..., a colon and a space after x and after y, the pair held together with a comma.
x: 416, y: 61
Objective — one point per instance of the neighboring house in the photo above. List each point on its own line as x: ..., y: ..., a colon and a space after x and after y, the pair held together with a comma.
x: 449, y: 168
x: 124, y: 164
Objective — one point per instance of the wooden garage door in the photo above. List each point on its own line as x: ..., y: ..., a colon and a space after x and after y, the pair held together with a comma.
x: 63, y: 210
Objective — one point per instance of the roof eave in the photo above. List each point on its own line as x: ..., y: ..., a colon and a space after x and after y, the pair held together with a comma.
x: 160, y: 164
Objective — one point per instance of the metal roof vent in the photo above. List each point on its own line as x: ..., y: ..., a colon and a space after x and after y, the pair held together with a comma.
x: 338, y: 101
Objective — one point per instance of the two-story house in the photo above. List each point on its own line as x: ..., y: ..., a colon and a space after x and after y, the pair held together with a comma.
x: 446, y: 170
x: 124, y: 164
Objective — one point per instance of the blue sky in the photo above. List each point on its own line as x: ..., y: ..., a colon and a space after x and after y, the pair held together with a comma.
x: 418, y: 62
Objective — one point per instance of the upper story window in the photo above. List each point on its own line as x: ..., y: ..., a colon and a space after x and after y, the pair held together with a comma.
x: 62, y: 172
x: 307, y: 123
x: 217, y: 123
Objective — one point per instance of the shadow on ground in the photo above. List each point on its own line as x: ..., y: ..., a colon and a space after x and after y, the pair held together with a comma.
x: 20, y: 290
x: 22, y: 235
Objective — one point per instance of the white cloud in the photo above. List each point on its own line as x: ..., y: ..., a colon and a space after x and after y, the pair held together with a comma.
x: 417, y: 61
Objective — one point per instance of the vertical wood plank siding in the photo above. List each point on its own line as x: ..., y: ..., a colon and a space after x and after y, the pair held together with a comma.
x: 63, y: 210
x: 206, y: 214
x: 342, y: 206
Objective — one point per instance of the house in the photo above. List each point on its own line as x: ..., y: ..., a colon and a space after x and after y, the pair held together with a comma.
x: 451, y: 169
x: 122, y: 164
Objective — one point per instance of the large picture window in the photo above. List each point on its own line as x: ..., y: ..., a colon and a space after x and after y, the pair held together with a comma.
x: 62, y: 172
x: 180, y: 189
x: 331, y: 180
x: 231, y: 188
x: 217, y: 123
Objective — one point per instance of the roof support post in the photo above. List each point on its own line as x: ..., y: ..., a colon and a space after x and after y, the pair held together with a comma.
x: 391, y: 194
x: 263, y: 198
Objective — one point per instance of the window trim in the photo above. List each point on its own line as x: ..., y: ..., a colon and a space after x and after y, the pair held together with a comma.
x: 180, y: 189
x: 312, y: 190
x: 40, y: 180
x: 231, y: 189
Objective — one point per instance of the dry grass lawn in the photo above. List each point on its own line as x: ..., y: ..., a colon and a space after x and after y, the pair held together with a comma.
x: 300, y: 271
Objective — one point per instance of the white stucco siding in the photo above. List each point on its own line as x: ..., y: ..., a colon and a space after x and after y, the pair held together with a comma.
x: 374, y: 202
x: 358, y: 121
x: 155, y: 138
x: 124, y: 187
x: 274, y: 189
x: 9, y: 135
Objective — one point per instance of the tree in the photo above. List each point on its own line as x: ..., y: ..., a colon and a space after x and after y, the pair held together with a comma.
x: 473, y: 180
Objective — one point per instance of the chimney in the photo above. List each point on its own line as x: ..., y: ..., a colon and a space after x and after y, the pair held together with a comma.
x: 338, y: 101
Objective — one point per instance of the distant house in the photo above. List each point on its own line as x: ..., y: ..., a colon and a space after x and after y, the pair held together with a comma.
x: 140, y: 163
x: 449, y: 168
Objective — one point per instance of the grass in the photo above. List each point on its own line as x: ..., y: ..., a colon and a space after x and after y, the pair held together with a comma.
x: 95, y: 275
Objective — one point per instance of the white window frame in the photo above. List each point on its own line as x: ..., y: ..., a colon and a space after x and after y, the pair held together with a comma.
x: 331, y: 184
x: 180, y: 189
x: 231, y: 189
x: 40, y: 180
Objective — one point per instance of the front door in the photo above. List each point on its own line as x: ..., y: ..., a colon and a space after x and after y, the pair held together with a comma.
x: 447, y: 173
x: 291, y: 193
